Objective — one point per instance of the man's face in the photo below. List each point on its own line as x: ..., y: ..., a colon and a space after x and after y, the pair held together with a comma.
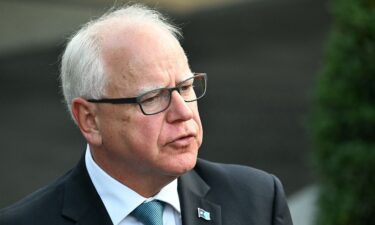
x: 165, y: 144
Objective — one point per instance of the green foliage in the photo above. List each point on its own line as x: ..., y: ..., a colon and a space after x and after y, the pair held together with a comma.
x: 344, y: 118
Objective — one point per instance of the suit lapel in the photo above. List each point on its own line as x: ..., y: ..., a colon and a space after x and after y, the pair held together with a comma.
x: 192, y: 191
x: 82, y: 203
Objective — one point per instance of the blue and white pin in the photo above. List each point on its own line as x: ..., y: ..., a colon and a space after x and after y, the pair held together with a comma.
x: 204, y: 214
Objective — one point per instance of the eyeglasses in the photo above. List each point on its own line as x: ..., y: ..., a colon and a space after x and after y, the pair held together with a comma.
x: 158, y: 100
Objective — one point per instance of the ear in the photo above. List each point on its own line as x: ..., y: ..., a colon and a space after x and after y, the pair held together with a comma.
x: 84, y: 114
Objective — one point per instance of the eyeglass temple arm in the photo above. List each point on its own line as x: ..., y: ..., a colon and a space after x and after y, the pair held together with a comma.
x: 114, y: 100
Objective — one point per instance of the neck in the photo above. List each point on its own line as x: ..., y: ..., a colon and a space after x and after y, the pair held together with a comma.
x: 145, y: 184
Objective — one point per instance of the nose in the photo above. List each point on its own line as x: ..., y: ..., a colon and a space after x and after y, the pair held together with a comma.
x: 179, y: 110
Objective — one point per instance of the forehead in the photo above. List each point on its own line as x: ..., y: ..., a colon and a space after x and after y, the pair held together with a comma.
x: 141, y: 56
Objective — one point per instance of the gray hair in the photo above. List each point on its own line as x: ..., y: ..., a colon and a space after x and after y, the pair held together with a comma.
x: 82, y: 71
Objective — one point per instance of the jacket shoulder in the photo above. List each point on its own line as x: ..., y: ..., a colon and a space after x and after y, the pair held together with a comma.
x: 43, y: 203
x: 245, y: 193
x: 214, y: 173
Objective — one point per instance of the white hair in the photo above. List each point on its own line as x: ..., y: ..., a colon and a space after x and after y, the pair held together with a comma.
x: 82, y: 71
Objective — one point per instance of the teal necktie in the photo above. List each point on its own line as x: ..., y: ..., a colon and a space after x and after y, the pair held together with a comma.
x: 150, y: 213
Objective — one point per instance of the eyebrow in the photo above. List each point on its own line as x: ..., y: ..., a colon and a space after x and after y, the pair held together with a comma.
x: 144, y: 90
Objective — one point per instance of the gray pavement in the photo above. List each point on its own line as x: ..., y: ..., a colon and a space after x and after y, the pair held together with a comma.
x: 302, y: 205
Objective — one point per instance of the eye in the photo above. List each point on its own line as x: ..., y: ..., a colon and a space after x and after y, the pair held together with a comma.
x: 151, y: 98
x: 185, y: 88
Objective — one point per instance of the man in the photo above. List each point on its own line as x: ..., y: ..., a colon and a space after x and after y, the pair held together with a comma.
x: 128, y: 85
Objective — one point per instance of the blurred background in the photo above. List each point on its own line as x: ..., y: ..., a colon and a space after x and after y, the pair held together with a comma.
x: 261, y: 56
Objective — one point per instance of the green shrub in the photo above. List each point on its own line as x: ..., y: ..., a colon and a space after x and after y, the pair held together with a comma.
x: 343, y: 122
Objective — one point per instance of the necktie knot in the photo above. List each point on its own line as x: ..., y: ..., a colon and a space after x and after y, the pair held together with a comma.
x: 150, y: 213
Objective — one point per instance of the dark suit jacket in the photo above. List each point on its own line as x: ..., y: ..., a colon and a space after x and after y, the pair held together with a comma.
x: 232, y: 194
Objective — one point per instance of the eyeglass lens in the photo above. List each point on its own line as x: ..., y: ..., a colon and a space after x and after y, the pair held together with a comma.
x: 158, y: 100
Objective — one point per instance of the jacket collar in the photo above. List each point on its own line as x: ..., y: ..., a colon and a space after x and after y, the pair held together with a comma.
x: 81, y: 202
x: 192, y: 191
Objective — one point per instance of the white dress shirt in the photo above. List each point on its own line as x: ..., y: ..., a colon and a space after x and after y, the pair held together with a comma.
x: 120, y: 201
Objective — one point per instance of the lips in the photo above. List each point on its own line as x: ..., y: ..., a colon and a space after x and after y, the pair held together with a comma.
x: 182, y: 140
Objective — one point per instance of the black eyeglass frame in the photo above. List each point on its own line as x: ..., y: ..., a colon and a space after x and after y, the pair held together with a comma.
x: 136, y: 100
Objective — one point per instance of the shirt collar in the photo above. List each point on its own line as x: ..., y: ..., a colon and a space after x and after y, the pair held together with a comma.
x: 120, y: 200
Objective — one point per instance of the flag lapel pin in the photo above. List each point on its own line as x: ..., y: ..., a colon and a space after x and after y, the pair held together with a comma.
x: 204, y: 214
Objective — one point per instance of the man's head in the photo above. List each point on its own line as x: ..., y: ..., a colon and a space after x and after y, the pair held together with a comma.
x: 127, y: 53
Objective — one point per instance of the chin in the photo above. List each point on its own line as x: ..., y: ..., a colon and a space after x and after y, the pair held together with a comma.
x: 183, y: 164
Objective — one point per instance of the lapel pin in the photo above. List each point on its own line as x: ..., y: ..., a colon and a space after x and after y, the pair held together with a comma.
x: 204, y: 214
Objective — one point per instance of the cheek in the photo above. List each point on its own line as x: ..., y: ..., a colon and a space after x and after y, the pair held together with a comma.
x: 200, y: 134
x: 197, y: 118
x: 147, y: 130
